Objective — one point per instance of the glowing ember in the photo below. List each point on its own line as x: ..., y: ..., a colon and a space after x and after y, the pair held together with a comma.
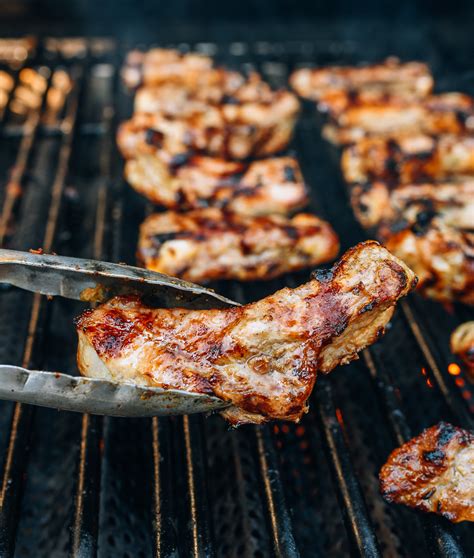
x: 454, y: 369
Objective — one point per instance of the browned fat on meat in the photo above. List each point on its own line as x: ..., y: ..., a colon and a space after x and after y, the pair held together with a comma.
x: 262, y: 358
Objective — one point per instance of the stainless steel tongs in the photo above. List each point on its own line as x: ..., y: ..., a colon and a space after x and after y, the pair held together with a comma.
x: 95, y: 281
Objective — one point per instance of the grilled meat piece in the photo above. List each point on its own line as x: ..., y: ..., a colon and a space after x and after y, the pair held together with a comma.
x: 408, y: 159
x: 262, y: 358
x: 462, y: 344
x: 259, y: 188
x: 209, y: 244
x: 378, y: 201
x: 232, y: 131
x: 411, y: 79
x: 433, y: 472
x: 174, y: 99
x: 441, y: 256
x: 158, y: 66
x: 448, y: 113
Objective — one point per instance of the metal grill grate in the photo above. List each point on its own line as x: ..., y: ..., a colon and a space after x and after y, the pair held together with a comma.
x: 86, y: 486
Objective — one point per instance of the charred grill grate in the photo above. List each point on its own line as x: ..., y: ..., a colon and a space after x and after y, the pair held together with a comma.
x: 85, y: 486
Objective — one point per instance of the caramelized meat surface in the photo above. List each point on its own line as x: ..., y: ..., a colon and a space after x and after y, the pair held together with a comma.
x: 411, y: 79
x: 448, y: 113
x: 433, y: 472
x: 453, y: 203
x: 234, y: 131
x: 262, y: 358
x: 462, y: 344
x: 260, y: 188
x: 441, y: 256
x: 408, y: 159
x: 209, y: 244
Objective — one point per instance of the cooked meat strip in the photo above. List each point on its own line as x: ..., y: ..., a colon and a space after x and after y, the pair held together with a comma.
x: 407, y: 159
x: 441, y: 256
x: 448, y: 113
x: 412, y: 79
x: 209, y: 244
x: 233, y: 131
x: 453, y: 202
x: 433, y: 472
x: 175, y: 99
x: 262, y: 358
x: 158, y: 66
x: 462, y: 344
x: 259, y: 188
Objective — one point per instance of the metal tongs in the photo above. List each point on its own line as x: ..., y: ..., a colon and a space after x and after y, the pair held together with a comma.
x: 95, y: 281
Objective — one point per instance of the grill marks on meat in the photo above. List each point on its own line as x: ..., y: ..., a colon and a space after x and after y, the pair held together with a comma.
x: 462, y: 344
x: 441, y: 256
x: 234, y: 131
x: 408, y: 159
x: 358, y: 116
x: 452, y: 203
x: 411, y: 79
x: 433, y: 472
x: 259, y: 188
x: 262, y: 358
x: 209, y: 244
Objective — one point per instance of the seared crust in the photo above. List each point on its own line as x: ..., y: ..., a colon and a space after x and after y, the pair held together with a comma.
x: 233, y: 131
x: 452, y: 202
x: 259, y: 188
x: 411, y: 79
x: 209, y: 244
x: 356, y: 116
x: 263, y: 358
x: 433, y: 472
x: 441, y: 256
x: 462, y: 343
x: 408, y: 159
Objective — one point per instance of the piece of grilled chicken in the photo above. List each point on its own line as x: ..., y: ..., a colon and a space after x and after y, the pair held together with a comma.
x: 433, y: 472
x: 410, y: 79
x: 210, y: 244
x: 453, y: 202
x: 175, y: 99
x: 158, y: 66
x: 259, y: 188
x: 232, y: 131
x: 448, y: 113
x: 462, y: 344
x: 262, y: 358
x: 441, y: 256
x: 408, y: 159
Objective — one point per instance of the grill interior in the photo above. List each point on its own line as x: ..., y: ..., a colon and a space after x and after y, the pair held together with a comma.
x: 84, y: 485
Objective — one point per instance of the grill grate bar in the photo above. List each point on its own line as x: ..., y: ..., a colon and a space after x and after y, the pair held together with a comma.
x: 440, y: 537
x: 17, y: 452
x: 354, y: 509
x: 454, y: 401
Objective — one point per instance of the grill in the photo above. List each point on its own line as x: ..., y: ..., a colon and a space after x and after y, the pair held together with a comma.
x: 188, y: 486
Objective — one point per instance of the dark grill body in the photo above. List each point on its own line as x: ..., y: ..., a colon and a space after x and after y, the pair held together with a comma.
x: 85, y: 486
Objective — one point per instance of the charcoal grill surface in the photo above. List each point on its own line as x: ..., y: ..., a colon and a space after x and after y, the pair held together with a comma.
x: 85, y: 486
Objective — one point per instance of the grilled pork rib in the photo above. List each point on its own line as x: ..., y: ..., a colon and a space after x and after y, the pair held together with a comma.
x: 448, y: 113
x: 408, y: 159
x: 262, y: 358
x: 233, y: 131
x: 433, y: 472
x: 462, y: 344
x: 411, y: 79
x: 259, y: 188
x: 209, y: 244
x: 441, y: 256
x: 453, y: 203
